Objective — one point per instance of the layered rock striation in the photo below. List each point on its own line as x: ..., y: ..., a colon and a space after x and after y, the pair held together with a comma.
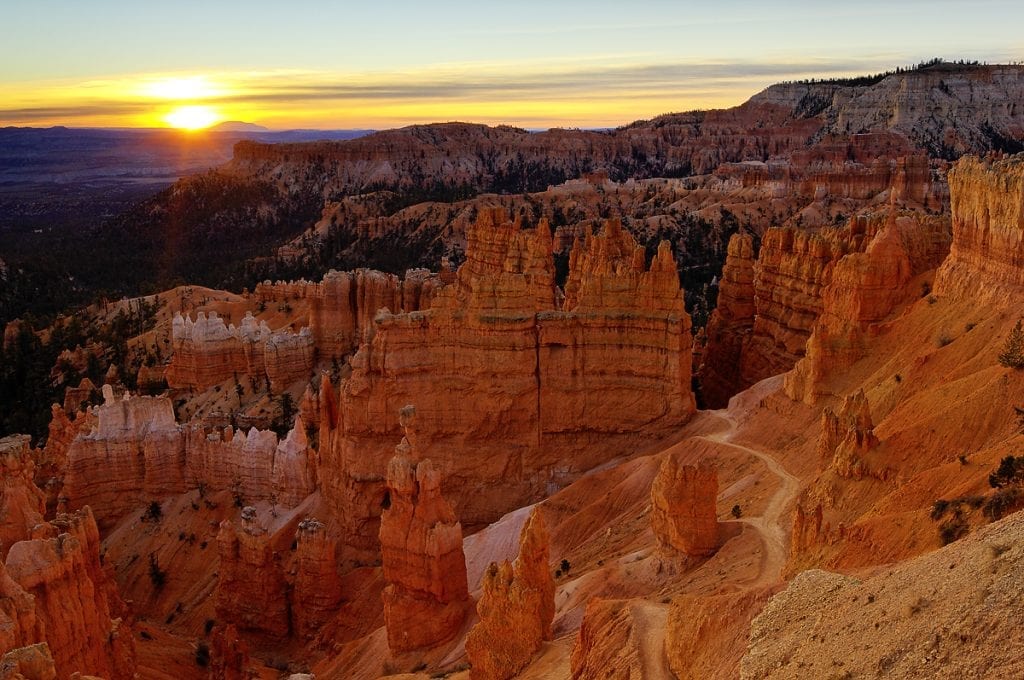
x: 22, y: 503
x: 207, y: 352
x: 986, y: 260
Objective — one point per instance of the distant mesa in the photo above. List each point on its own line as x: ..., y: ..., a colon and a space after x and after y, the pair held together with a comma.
x: 237, y: 126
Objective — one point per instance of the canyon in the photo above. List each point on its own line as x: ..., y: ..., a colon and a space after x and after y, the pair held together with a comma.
x: 713, y: 395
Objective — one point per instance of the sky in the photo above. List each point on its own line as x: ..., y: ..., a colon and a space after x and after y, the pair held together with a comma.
x: 341, y: 65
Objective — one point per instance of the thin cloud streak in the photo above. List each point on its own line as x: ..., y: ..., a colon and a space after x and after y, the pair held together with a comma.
x: 457, y: 89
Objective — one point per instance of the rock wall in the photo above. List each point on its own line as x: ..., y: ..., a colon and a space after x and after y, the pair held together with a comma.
x: 316, y: 589
x: 137, y: 453
x: 426, y: 597
x: 986, y: 260
x: 515, y: 394
x: 608, y: 643
x: 207, y: 352
x: 22, y: 503
x: 853, y: 276
x: 251, y: 591
x: 683, y: 507
x: 344, y: 304
x: 516, y: 608
x: 865, y: 288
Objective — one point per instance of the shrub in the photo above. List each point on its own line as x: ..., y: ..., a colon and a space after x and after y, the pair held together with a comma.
x: 153, y: 512
x: 939, y: 508
x: 203, y: 655
x: 1010, y: 471
x: 564, y: 565
x: 1012, y: 355
x: 157, y: 575
x: 953, y: 529
x: 737, y: 511
x: 943, y: 339
x: 1002, y: 503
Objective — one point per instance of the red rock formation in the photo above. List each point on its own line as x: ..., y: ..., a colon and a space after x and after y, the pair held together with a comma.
x: 255, y: 464
x: 207, y: 352
x: 705, y: 637
x: 19, y: 624
x: 791, y: 273
x: 74, y: 397
x: 516, y: 608
x: 683, y: 511
x: 316, y: 589
x: 607, y: 645
x: 537, y: 394
x: 28, y: 663
x: 865, y: 288
x: 135, y: 454
x: 847, y: 436
x: 251, y: 591
x: 74, y: 599
x: 730, y: 325
x: 52, y: 461
x: 344, y: 304
x: 426, y: 598
x: 229, y: 654
x: 986, y: 261
x: 22, y: 504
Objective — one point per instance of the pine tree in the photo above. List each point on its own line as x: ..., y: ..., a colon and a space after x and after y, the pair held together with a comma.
x: 1012, y: 355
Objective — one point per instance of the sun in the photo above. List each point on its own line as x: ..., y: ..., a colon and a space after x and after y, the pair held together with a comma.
x: 192, y: 117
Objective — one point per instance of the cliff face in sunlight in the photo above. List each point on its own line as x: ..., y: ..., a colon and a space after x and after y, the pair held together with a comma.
x: 497, y: 353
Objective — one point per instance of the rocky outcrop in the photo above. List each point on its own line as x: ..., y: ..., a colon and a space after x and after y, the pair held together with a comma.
x: 865, y: 288
x: 76, y: 603
x: 135, y: 453
x: 33, y: 662
x: 251, y: 591
x: 207, y: 352
x: 427, y: 597
x: 316, y: 588
x: 608, y: 644
x: 22, y: 503
x: 229, y: 654
x: 536, y: 392
x: 255, y: 464
x: 683, y: 511
x: 19, y: 624
x: 730, y: 325
x: 344, y: 304
x: 791, y: 273
x: 516, y: 608
x: 986, y: 260
x: 705, y: 637
x: 846, y: 436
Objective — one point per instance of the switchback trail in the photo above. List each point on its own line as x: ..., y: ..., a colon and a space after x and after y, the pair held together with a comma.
x: 770, y: 523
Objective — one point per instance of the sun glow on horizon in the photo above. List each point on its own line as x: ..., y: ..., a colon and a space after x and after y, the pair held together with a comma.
x: 192, y: 117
